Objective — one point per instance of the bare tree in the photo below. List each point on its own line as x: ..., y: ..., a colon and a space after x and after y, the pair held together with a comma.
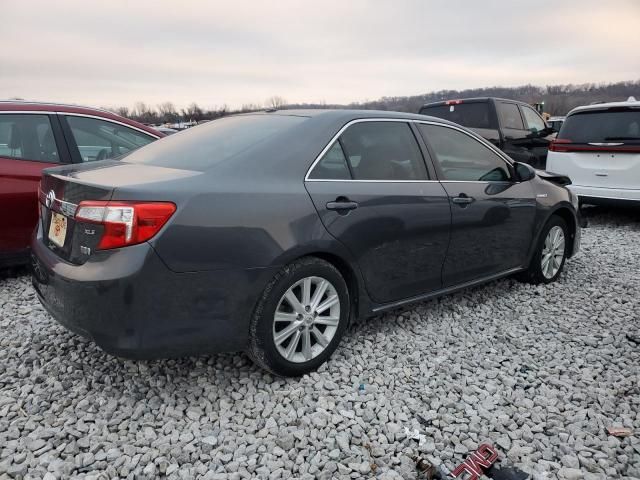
x: 122, y: 111
x: 275, y: 102
x: 167, y: 112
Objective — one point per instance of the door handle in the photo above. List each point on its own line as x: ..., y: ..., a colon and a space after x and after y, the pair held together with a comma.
x: 463, y: 199
x: 342, y: 205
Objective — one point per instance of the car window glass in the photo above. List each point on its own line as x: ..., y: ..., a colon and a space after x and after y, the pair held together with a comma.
x: 510, y: 116
x: 383, y: 151
x: 28, y: 136
x: 602, y: 126
x: 534, y: 122
x: 218, y: 141
x: 462, y: 158
x: 101, y: 139
x: 332, y: 166
x: 472, y: 114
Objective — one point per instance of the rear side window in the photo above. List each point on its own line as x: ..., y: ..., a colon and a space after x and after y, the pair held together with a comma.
x: 100, y: 139
x: 201, y: 147
x: 463, y: 158
x: 474, y: 115
x: 510, y: 116
x: 602, y: 127
x: 332, y: 166
x: 383, y: 151
x: 29, y: 137
x: 534, y: 122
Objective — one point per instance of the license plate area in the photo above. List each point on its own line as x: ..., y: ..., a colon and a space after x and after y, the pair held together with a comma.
x: 58, y: 229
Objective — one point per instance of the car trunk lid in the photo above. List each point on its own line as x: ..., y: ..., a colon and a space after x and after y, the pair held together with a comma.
x: 63, y: 188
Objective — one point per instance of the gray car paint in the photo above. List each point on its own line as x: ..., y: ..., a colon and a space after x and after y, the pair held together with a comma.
x: 238, y: 222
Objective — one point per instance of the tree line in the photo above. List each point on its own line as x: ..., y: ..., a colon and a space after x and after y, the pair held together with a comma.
x: 558, y: 100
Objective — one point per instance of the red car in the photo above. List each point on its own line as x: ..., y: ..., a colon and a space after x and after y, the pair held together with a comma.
x: 34, y: 136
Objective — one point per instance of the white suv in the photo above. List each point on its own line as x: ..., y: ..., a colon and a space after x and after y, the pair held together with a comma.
x: 598, y: 147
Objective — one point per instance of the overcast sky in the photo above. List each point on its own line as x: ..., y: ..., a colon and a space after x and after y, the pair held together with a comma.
x: 117, y: 52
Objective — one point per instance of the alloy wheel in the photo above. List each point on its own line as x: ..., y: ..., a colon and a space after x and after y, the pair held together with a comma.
x: 306, y: 319
x: 553, y: 252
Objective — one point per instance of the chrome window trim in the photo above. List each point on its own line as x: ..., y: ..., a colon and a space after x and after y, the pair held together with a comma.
x: 479, y: 139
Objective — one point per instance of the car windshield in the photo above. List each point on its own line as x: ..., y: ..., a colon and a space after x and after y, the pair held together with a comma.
x: 602, y: 127
x: 199, y: 148
x: 474, y: 115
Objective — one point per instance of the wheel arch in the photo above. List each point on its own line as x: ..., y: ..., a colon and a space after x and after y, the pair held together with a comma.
x: 350, y: 276
x: 566, y: 213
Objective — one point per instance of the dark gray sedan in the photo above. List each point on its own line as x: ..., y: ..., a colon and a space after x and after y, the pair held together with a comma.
x: 269, y: 232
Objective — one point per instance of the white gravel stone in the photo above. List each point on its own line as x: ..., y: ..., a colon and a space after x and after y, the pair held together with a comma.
x: 537, y: 371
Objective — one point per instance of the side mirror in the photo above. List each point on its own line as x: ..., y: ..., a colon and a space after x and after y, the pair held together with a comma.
x: 524, y: 172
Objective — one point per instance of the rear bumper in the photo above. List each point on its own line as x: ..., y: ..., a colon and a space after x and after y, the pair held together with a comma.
x: 599, y: 194
x: 133, y: 306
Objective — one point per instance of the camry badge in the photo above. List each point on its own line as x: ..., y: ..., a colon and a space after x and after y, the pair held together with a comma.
x: 51, y: 197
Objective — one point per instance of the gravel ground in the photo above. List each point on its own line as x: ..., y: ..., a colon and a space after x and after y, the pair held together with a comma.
x: 539, y: 371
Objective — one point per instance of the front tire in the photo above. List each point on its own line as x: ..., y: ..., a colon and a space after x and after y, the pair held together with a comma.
x: 300, y: 318
x: 551, y: 253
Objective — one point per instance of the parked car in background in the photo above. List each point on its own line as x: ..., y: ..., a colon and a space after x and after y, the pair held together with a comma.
x: 598, y: 147
x: 555, y: 123
x: 165, y: 130
x: 269, y: 232
x: 514, y: 127
x: 34, y: 136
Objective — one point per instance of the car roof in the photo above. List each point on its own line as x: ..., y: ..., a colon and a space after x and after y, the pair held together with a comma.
x: 348, y: 115
x: 28, y: 106
x: 473, y: 100
x: 605, y: 106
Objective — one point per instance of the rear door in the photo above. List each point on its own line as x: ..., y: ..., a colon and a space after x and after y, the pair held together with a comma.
x: 373, y: 193
x: 29, y: 142
x: 600, y: 148
x: 492, y: 216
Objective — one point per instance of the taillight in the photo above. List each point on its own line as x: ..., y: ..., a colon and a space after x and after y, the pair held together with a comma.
x: 560, y: 145
x: 125, y: 223
x: 453, y: 102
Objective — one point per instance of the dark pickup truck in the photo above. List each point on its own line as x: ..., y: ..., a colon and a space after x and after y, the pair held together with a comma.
x: 514, y: 127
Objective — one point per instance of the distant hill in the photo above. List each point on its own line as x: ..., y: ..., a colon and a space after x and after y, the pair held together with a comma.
x: 558, y: 99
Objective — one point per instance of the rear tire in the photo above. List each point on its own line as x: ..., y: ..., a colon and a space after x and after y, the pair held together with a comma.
x: 550, y: 254
x: 300, y: 318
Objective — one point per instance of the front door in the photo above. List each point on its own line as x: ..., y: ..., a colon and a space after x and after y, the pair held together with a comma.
x: 516, y: 138
x: 492, y: 216
x: 373, y: 194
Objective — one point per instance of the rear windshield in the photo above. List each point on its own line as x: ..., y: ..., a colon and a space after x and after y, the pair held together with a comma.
x: 201, y: 147
x: 602, y: 127
x: 474, y: 115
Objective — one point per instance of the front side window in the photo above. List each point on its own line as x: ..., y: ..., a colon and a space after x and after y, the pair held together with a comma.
x: 383, y: 151
x: 28, y: 137
x: 510, y: 116
x: 100, y: 139
x: 463, y: 158
x: 534, y: 122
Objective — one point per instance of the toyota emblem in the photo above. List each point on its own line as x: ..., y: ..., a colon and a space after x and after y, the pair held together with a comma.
x: 51, y: 197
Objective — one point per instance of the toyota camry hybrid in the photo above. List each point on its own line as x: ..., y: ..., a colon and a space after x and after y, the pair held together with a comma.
x: 269, y: 232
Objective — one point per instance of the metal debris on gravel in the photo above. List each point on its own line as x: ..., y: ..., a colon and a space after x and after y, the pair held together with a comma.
x: 540, y: 372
